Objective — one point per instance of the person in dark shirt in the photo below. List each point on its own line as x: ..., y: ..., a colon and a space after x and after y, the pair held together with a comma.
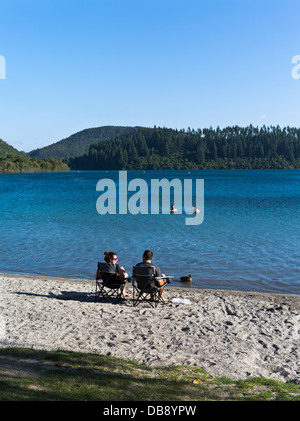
x: 111, y: 259
x: 147, y: 261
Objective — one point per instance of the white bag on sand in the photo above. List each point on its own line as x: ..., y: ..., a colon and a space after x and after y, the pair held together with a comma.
x: 181, y: 301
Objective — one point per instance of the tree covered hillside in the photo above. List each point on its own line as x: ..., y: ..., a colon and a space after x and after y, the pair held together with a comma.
x: 13, y: 161
x: 78, y: 144
x: 27, y: 164
x: 8, y: 150
x: 228, y: 148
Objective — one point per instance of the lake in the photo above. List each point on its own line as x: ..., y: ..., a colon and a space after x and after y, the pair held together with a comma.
x: 249, y: 238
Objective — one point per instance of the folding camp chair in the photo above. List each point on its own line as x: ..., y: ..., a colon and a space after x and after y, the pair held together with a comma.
x: 108, y: 283
x: 144, y: 285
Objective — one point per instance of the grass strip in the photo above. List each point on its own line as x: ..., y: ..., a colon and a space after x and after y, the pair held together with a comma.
x: 39, y: 375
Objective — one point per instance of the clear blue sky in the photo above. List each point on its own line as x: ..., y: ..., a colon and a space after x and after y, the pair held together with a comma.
x: 72, y: 65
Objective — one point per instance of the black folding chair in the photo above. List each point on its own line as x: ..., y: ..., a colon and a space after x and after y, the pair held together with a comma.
x: 144, y: 285
x: 108, y: 283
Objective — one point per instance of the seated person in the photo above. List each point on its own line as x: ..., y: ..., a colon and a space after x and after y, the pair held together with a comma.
x: 173, y: 210
x: 147, y: 258
x: 112, y: 266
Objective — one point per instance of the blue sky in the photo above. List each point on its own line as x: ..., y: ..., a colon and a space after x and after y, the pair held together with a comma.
x: 72, y: 65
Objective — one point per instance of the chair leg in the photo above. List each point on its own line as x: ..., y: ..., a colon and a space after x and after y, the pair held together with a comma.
x: 156, y: 299
x: 142, y: 297
x: 137, y: 300
x: 97, y: 292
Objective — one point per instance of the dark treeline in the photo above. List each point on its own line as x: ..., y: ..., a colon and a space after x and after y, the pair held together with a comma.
x: 229, y: 148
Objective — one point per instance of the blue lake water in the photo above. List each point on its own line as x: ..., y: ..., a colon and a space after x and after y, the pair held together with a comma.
x: 249, y: 239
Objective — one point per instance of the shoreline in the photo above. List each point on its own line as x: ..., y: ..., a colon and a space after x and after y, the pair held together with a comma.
x: 293, y: 297
x: 237, y: 334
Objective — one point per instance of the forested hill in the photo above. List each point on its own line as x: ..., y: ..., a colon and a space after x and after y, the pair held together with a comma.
x: 8, y: 150
x: 13, y: 161
x: 228, y: 148
x: 78, y: 144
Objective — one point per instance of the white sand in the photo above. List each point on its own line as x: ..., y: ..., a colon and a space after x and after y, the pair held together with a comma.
x: 227, y: 333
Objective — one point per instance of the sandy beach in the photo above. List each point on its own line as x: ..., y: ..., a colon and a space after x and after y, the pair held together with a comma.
x: 227, y: 333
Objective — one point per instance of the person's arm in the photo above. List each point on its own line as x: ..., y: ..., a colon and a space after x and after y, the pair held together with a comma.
x: 120, y: 271
x: 157, y: 272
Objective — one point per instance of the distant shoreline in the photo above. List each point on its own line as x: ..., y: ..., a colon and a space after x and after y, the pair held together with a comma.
x: 146, y: 170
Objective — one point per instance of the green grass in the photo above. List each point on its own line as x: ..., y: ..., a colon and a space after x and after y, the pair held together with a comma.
x: 27, y: 375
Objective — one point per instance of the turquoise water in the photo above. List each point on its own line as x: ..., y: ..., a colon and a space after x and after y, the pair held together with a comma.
x: 249, y: 239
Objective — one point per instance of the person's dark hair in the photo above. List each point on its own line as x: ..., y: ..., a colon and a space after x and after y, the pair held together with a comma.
x: 109, y: 255
x: 148, y: 255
